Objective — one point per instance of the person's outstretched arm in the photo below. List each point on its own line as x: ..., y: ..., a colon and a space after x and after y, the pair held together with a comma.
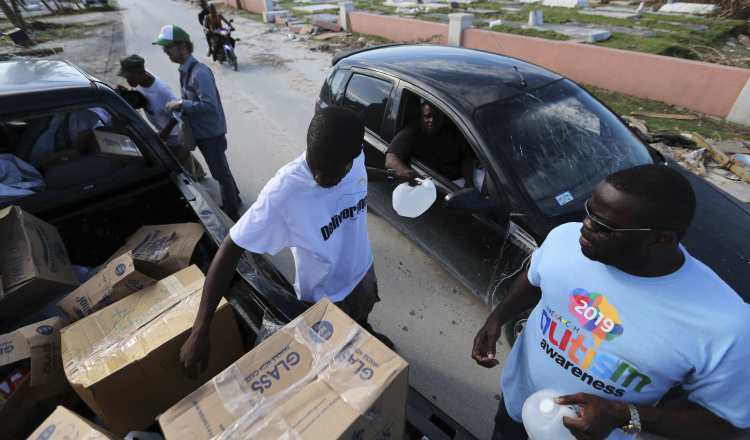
x: 195, y: 351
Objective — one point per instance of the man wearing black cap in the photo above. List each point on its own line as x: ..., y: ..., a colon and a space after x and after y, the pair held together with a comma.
x: 157, y: 94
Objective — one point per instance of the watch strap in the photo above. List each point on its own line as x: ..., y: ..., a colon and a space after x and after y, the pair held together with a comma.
x: 634, y: 424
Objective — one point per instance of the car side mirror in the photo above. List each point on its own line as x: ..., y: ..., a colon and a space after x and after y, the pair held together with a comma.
x: 468, y: 199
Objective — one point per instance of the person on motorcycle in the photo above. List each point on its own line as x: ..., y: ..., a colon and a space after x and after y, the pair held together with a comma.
x: 213, y: 24
x: 201, y: 18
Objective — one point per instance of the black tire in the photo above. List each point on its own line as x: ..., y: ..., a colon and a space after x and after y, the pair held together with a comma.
x: 234, y: 62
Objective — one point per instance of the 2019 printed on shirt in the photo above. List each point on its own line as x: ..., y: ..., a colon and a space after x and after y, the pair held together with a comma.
x: 579, y: 345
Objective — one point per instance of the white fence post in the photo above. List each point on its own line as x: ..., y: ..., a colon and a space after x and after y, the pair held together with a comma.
x: 456, y: 25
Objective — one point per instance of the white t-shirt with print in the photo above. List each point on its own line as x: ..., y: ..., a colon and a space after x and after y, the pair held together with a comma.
x: 326, y: 228
x: 601, y: 331
x: 158, y: 95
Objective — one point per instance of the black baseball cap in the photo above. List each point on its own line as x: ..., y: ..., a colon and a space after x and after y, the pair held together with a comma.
x: 132, y: 64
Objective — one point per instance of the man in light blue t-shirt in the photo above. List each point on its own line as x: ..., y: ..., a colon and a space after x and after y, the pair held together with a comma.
x: 621, y: 314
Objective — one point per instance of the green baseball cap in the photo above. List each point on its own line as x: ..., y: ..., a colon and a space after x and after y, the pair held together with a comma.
x: 171, y: 34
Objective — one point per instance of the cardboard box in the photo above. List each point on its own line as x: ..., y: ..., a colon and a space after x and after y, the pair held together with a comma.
x: 64, y: 424
x: 33, y: 261
x: 162, y: 249
x: 123, y: 360
x: 116, y: 145
x: 44, y: 387
x: 319, y: 377
x: 118, y: 279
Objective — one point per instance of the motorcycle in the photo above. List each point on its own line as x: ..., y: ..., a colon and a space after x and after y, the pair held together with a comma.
x: 223, y: 49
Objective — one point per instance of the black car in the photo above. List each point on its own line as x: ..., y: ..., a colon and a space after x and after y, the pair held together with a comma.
x: 96, y: 201
x: 543, y: 141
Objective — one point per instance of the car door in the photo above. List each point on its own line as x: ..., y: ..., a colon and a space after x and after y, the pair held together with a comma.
x: 469, y: 245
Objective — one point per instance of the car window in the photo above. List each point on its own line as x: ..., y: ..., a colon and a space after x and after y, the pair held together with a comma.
x: 368, y: 96
x: 68, y: 149
x: 560, y: 142
x: 333, y: 86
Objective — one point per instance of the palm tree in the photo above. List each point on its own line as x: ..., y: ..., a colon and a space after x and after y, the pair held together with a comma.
x: 12, y: 14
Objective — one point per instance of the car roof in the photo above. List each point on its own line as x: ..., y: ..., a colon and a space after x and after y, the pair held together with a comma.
x: 27, y: 75
x: 469, y: 77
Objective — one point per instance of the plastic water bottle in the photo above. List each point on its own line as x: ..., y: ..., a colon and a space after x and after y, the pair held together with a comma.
x: 413, y: 201
x: 543, y: 418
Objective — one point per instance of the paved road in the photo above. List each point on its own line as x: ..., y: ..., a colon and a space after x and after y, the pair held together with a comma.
x: 269, y: 103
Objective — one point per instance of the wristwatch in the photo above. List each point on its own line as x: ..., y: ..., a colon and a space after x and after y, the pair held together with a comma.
x: 634, y: 425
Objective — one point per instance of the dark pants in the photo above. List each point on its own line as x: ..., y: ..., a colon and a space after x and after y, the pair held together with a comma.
x: 208, y: 41
x: 359, y: 304
x: 505, y: 427
x: 214, y: 151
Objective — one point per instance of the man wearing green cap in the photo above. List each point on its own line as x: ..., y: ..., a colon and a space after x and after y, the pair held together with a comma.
x: 202, y: 111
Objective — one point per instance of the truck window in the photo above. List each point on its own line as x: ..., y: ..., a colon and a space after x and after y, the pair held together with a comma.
x: 68, y: 149
x: 368, y: 96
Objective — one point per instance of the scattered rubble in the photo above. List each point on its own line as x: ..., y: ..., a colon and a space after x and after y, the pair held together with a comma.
x: 689, y: 8
x: 566, y: 3
x: 720, y: 162
x: 315, y: 8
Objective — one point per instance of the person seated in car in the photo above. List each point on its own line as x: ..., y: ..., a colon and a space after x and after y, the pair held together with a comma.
x: 437, y: 144
x: 62, y: 136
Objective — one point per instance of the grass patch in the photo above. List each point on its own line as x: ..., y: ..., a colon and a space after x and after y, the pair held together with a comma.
x: 42, y: 32
x: 231, y: 12
x: 676, y: 36
x: 550, y: 35
x: 661, y: 45
x: 374, y: 6
x: 371, y: 38
x: 625, y: 105
x: 428, y: 15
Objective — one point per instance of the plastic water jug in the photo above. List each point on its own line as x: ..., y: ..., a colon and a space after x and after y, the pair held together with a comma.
x: 543, y: 418
x: 413, y: 201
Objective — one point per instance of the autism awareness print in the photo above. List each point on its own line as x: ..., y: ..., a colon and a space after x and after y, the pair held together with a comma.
x: 577, y: 342
x: 595, y: 314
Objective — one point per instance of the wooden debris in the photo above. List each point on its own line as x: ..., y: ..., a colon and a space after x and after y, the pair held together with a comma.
x: 718, y: 156
x: 667, y: 116
x: 328, y: 35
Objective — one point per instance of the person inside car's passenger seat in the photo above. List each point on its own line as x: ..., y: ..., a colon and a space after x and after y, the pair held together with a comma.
x: 622, y: 313
x: 438, y: 144
x: 63, y: 134
x: 316, y: 205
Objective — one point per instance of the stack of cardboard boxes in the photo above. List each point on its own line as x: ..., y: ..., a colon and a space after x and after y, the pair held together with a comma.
x: 117, y: 343
x: 319, y: 377
x: 142, y: 300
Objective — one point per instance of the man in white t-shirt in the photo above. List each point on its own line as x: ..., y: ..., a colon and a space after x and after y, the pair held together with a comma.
x: 622, y: 314
x: 316, y: 205
x: 157, y: 94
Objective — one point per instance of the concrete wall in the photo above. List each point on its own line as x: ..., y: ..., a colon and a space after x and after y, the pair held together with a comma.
x: 255, y: 6
x: 702, y: 87
x: 398, y: 29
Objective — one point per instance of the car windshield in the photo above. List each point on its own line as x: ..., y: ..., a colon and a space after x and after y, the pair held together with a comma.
x: 560, y: 142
